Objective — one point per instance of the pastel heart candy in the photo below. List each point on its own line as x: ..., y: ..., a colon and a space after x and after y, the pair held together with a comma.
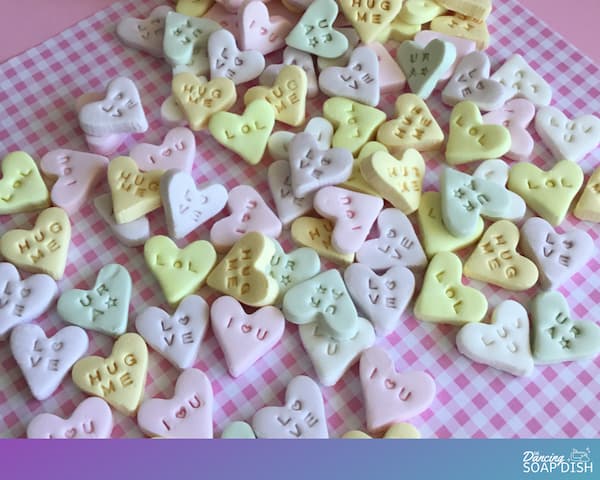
x: 418, y: 12
x: 145, y: 34
x: 131, y: 234
x: 443, y: 297
x: 556, y: 337
x: 463, y: 27
x: 248, y: 213
x: 461, y: 45
x: 134, y: 193
x: 392, y: 397
x: 353, y: 213
x: 184, y: 35
x: 91, y: 419
x: 397, y: 431
x: 570, y: 139
x: 289, y: 269
x: 292, y: 56
x: 302, y: 416
x: 396, y: 245
x: 316, y: 233
x: 557, y: 255
x: 353, y: 40
x: 171, y: 114
x: 503, y: 344
x: 43, y: 249
x: 391, y: 76
x: 588, y: 205
x: 382, y: 298
x: 46, y: 361
x: 323, y: 299
x: 119, y: 111
x: 477, y: 9
x: 331, y: 357
x: 238, y: 430
x: 288, y: 206
x: 186, y: 206
x: 550, y: 193
x: 471, y: 82
x: 187, y: 414
x: 259, y: 31
x: 495, y: 259
x: 23, y: 300
x: 76, y: 173
x: 522, y: 81
x: 243, y: 272
x: 244, y: 338
x: 22, y: 188
x: 120, y: 378
x: 176, y: 337
x: 226, y: 59
x: 314, y: 32
x: 399, y: 31
x: 198, y: 66
x: 193, y: 8
x: 226, y: 18
x: 318, y: 127
x: 179, y: 272
x: 358, y: 80
x: 356, y: 181
x: 469, y: 139
x: 177, y: 150
x: 369, y: 18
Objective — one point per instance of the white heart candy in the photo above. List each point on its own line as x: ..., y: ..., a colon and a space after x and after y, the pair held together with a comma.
x: 226, y: 60
x: 145, y: 34
x: 131, y: 234
x: 522, y: 81
x: 288, y: 206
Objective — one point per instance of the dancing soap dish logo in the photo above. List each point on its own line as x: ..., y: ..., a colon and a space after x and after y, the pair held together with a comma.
x: 578, y: 461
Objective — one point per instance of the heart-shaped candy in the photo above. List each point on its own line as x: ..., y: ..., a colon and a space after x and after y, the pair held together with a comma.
x: 353, y: 40
x: 176, y: 337
x: 316, y: 233
x: 131, y: 234
x: 177, y: 150
x: 199, y: 66
x: 462, y: 27
x: 289, y: 269
x: 145, y: 34
x: 356, y: 181
x: 392, y: 397
x: 443, y: 297
x: 397, y: 430
x: 370, y: 18
x: 288, y: 206
x: 302, y: 416
x: 184, y: 35
x: 556, y: 337
x: 43, y: 249
x: 193, y: 8
x: 244, y: 338
x: 318, y: 127
x: 522, y: 81
x: 22, y: 188
x: 91, y: 419
x: 588, y: 205
x: 226, y: 59
x: 476, y: 9
x: 291, y: 56
x: 118, y: 379
x: 238, y: 430
x: 187, y: 207
x: 259, y: 31
x: 187, y: 414
x: 419, y: 12
x: 227, y: 18
x: 461, y: 45
x: 171, y: 114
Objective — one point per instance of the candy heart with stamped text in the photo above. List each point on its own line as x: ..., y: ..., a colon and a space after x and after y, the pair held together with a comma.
x: 289, y: 269
x: 292, y: 56
x: 226, y: 59
x: 259, y: 31
x: 522, y: 81
x: 288, y: 206
x: 184, y: 35
x: 177, y: 150
x: 131, y: 234
x: 22, y: 188
x: 370, y: 18
x: 145, y: 34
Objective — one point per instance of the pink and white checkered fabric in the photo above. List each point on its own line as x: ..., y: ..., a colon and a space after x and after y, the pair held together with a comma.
x: 37, y: 92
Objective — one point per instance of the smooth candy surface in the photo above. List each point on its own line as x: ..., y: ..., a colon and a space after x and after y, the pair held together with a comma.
x: 177, y: 150
x: 145, y: 34
x: 226, y: 59
x: 522, y: 81
x: 369, y: 19
x: 259, y: 31
x: 391, y: 76
x: 193, y: 8
x: 353, y: 40
x: 130, y: 234
x: 289, y: 269
x: 356, y: 181
x: 288, y: 206
x: 22, y: 188
x: 462, y: 27
x: 184, y: 35
x: 588, y: 205
x: 292, y: 56
x: 462, y: 46
x: 318, y: 127
x: 418, y: 12
x: 315, y: 233
x: 238, y: 430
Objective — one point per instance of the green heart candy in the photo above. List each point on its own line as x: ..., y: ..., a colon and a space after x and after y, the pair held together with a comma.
x: 105, y: 307
x: 238, y: 430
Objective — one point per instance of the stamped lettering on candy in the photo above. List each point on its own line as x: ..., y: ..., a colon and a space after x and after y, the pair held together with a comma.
x: 522, y: 81
x: 291, y: 56
x: 105, y: 307
x: 462, y: 46
x: 177, y: 150
x: 392, y: 397
x: 443, y: 297
x: 302, y: 416
x: 243, y: 273
x: 188, y: 414
x: 22, y: 188
x: 353, y: 41
x: 145, y: 34
x: 238, y: 430
x: 316, y: 234
x: 183, y: 35
x: 556, y: 337
x: 288, y: 206
x: 318, y: 127
x: 396, y: 245
x: 118, y: 379
x: 477, y: 9
x: 43, y: 249
x: 244, y: 338
x: 131, y: 234
x: 588, y: 206
x: 289, y: 269
x: 260, y: 32
x: 462, y: 27
x: 370, y: 17
x: 91, y: 419
x: 226, y: 59
x: 331, y: 357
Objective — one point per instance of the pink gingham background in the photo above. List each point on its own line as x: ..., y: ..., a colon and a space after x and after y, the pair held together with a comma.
x: 37, y: 92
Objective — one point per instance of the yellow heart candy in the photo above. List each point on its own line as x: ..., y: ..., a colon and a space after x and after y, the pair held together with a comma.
x: 443, y: 297
x: 22, y: 188
x: 550, y: 193
x: 287, y: 96
x: 246, y: 134
x: 316, y: 234
x: 469, y: 139
x: 356, y: 181
x: 462, y: 27
x: 588, y: 206
x: 199, y: 100
x: 193, y: 8
x: 243, y: 273
x: 418, y: 12
x: 354, y: 122
x: 370, y: 17
x: 399, y: 30
x: 478, y: 9
x: 134, y: 194
x: 434, y: 236
x: 119, y: 379
x: 43, y: 249
x: 495, y: 259
x: 413, y: 127
x: 399, y: 180
x: 180, y: 272
x: 396, y: 431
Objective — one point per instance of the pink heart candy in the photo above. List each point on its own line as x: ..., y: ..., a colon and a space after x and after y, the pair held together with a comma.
x: 228, y: 61
x: 91, y: 419
x: 177, y: 150
x: 463, y: 47
x: 77, y: 172
x: 288, y: 206
x: 188, y: 414
x: 227, y: 19
x: 260, y: 32
x: 244, y: 338
x: 131, y: 234
x: 391, y: 76
x: 397, y: 244
x: 46, y: 361
x: 23, y: 300
x: 516, y: 115
x: 354, y: 214
x: 392, y: 397
x: 302, y: 416
x: 291, y: 56
x: 249, y: 213
x: 145, y: 34
x: 558, y: 256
